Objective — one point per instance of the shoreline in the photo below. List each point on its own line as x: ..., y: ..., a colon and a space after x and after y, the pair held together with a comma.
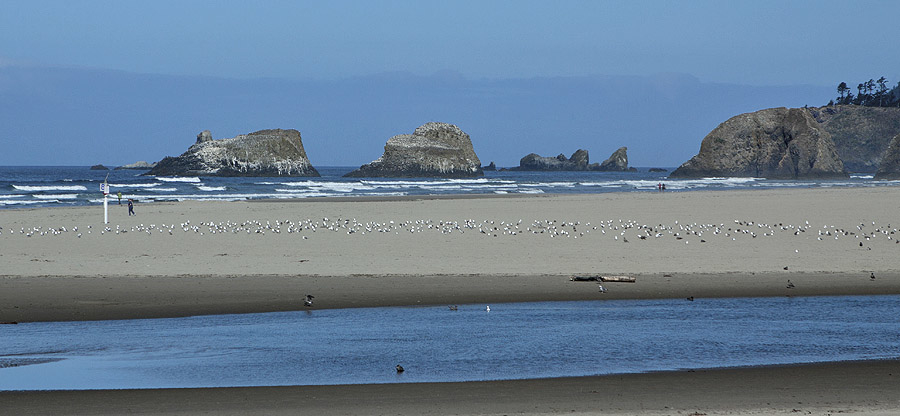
x: 859, y: 387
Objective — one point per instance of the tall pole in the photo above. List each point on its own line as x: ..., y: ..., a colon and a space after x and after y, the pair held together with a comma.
x: 106, y: 200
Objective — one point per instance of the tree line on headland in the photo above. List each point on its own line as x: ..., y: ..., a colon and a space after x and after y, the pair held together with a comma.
x: 872, y: 93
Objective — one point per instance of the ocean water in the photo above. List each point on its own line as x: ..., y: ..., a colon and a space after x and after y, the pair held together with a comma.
x: 42, y: 186
x: 435, y: 344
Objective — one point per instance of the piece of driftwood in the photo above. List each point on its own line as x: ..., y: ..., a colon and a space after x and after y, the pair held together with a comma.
x: 620, y: 279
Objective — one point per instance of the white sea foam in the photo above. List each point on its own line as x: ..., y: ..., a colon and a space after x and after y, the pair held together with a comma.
x: 25, y: 202
x: 549, y: 185
x: 862, y: 176
x: 211, y: 188
x: 163, y: 189
x: 396, y: 184
x: 531, y: 191
x: 333, y: 186
x: 134, y: 185
x: 303, y: 183
x: 177, y: 179
x: 37, y: 188
x: 57, y: 196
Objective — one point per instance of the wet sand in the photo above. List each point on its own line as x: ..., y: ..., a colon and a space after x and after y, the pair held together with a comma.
x: 180, y: 259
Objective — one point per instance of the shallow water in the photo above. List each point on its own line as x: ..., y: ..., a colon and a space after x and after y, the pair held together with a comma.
x: 434, y: 344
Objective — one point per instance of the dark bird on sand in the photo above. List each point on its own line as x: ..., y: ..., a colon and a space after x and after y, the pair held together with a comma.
x: 790, y: 285
x: 872, y: 276
x: 690, y: 298
x: 308, y: 301
x: 400, y: 368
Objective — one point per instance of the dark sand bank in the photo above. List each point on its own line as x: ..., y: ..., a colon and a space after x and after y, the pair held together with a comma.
x: 862, y: 388
x: 31, y: 299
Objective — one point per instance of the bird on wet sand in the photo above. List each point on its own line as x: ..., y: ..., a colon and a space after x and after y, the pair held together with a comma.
x: 790, y: 285
x: 872, y: 276
x: 400, y: 369
x: 308, y: 301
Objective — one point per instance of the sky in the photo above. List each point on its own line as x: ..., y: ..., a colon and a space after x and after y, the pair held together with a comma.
x: 141, y: 78
x: 759, y: 42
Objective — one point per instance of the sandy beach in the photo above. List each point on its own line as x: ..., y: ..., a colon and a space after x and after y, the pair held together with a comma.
x: 180, y: 259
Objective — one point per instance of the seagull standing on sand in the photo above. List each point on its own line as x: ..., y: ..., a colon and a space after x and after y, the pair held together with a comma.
x: 790, y: 285
x: 602, y: 289
x: 488, y: 308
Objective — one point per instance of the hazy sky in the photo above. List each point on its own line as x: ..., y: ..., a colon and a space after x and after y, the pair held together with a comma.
x: 747, y: 42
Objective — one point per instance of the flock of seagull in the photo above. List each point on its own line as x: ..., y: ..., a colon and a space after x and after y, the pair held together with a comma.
x: 623, y: 231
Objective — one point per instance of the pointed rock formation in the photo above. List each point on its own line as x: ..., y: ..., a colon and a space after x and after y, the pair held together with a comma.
x: 773, y: 143
x: 860, y: 134
x: 263, y: 153
x: 617, y: 162
x: 432, y: 150
x: 890, y: 162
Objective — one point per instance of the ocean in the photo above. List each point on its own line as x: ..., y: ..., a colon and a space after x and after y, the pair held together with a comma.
x: 50, y: 186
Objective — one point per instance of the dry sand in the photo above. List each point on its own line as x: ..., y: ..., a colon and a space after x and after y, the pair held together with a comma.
x: 177, y: 259
x: 263, y: 256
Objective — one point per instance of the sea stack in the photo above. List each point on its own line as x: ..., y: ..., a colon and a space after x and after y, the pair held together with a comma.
x: 533, y: 161
x: 617, y: 162
x: 273, y: 152
x: 139, y: 165
x: 432, y: 150
x: 580, y: 160
x: 778, y: 143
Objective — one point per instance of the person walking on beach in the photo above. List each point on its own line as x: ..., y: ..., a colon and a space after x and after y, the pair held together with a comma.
x: 130, y: 208
x: 119, y: 194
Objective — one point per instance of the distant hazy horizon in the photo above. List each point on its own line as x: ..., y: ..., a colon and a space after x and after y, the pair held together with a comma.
x: 73, y: 117
x: 105, y: 81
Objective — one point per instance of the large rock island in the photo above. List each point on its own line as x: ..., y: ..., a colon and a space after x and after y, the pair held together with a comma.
x: 776, y: 143
x: 432, y: 150
x: 273, y: 152
x: 580, y: 160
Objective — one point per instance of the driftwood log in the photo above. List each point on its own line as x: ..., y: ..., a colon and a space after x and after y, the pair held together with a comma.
x: 619, y: 279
